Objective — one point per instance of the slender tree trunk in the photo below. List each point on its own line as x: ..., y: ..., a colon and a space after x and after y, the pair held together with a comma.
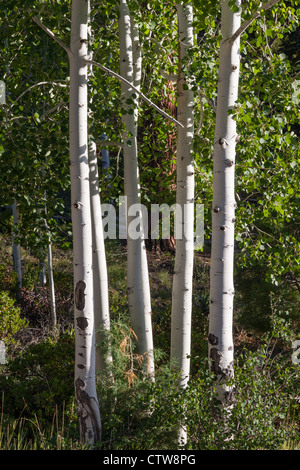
x: 138, y: 288
x: 16, y: 247
x: 51, y: 285
x: 85, y: 385
x: 223, y: 213
x: 43, y: 278
x: 103, y: 358
x: 50, y: 275
x: 101, y: 298
x: 183, y: 271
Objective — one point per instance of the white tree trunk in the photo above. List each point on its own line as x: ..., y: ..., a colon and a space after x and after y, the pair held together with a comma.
x: 183, y: 271
x: 50, y: 275
x: 43, y: 277
x: 85, y: 385
x: 223, y: 211
x: 16, y: 247
x: 51, y: 286
x: 101, y: 297
x: 138, y: 288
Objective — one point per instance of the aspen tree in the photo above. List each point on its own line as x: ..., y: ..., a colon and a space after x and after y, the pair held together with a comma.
x: 84, y: 377
x: 100, y: 279
x: 85, y: 388
x: 223, y: 211
x: 220, y: 339
x: 181, y: 316
x: 16, y: 246
x: 138, y: 288
x: 103, y: 361
x: 183, y: 271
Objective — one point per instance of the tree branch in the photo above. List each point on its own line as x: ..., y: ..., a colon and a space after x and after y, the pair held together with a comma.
x: 168, y: 76
x: 130, y: 85
x: 53, y: 83
x: 109, y: 143
x: 255, y: 15
x: 52, y: 35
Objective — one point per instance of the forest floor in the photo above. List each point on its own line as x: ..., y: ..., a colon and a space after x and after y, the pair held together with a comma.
x: 35, y: 303
x: 35, y: 370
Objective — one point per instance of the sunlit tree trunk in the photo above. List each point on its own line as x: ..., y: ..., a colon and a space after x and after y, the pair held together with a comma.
x: 223, y: 211
x: 50, y: 276
x: 138, y: 288
x: 183, y: 271
x: 100, y: 278
x: 85, y: 387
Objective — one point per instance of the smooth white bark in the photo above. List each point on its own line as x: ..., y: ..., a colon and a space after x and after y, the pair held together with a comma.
x: 50, y: 277
x: 138, y: 287
x: 223, y: 210
x: 100, y: 279
x: 16, y: 246
x: 183, y: 271
x: 85, y: 388
x: 103, y: 360
x: 51, y: 285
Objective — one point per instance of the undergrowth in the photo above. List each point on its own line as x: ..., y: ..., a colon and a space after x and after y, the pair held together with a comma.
x: 38, y: 409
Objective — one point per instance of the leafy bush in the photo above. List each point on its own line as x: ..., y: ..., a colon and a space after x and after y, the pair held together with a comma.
x: 258, y: 418
x: 40, y: 379
x: 8, y: 279
x: 142, y: 414
x: 10, y: 319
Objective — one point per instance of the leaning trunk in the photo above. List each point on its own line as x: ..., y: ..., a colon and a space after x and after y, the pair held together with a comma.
x: 85, y: 388
x: 138, y: 288
x: 223, y: 210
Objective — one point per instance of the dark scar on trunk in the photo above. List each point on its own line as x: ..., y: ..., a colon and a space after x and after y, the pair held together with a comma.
x: 82, y: 323
x: 79, y: 295
x: 212, y: 339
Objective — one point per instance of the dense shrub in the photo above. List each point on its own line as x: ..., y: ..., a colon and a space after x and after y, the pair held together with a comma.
x: 259, y: 418
x: 8, y: 278
x: 10, y: 319
x: 41, y: 379
x: 141, y: 414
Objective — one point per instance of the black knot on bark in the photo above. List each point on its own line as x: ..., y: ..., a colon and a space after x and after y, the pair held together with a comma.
x: 212, y: 339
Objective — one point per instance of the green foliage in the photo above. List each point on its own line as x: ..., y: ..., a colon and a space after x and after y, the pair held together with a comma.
x: 40, y: 379
x: 8, y: 278
x: 147, y: 415
x: 257, y: 299
x: 260, y: 417
x: 138, y: 413
x: 10, y: 319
